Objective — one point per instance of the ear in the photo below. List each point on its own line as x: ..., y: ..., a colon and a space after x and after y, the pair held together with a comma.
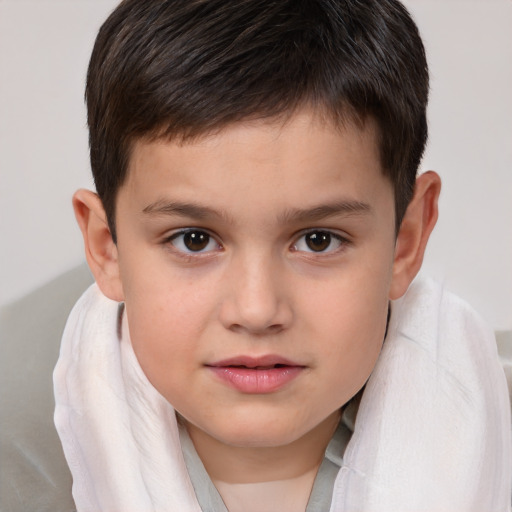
x: 100, y: 249
x: 418, y: 222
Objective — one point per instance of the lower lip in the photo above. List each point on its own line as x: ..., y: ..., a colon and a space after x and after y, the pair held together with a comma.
x: 254, y: 381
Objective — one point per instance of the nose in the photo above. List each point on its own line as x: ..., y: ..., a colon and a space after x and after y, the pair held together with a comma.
x: 256, y: 300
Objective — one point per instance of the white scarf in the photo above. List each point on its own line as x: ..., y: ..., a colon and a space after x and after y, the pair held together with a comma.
x: 432, y: 433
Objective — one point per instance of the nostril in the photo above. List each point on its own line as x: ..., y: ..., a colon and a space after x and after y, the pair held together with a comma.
x: 271, y: 329
x: 275, y: 328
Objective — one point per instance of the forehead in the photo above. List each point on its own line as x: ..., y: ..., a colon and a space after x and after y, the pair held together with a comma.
x: 263, y: 163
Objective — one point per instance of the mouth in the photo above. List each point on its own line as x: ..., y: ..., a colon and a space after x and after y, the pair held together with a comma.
x: 260, y: 375
x: 265, y: 362
x: 267, y: 367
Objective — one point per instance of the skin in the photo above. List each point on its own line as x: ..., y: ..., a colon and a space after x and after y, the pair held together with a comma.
x: 259, y: 286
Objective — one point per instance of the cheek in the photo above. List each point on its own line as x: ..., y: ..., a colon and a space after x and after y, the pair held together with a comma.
x: 355, y: 344
x: 350, y: 314
x: 358, y: 334
x: 164, y: 343
x: 163, y: 300
x: 167, y: 318
x: 354, y: 298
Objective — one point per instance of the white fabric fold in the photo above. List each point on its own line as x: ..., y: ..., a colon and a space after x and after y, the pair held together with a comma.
x: 119, y: 435
x: 433, y: 428
x: 432, y: 432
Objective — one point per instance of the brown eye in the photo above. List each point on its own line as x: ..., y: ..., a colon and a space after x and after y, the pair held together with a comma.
x: 318, y: 241
x: 196, y: 240
x: 193, y: 240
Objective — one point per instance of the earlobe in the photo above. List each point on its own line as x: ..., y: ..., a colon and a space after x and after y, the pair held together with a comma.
x: 100, y: 249
x: 415, y: 229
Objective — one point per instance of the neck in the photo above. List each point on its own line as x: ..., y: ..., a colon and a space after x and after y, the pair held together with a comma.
x: 265, y: 479
x: 283, y: 495
x: 246, y: 465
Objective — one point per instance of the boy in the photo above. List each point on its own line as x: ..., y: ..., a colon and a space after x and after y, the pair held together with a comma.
x: 257, y: 211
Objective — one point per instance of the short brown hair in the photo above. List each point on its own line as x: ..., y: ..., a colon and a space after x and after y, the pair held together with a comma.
x: 182, y: 68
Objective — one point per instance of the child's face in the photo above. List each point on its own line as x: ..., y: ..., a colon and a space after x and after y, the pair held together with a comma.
x: 266, y: 244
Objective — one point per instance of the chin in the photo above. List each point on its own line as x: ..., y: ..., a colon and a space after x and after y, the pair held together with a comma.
x: 259, y: 433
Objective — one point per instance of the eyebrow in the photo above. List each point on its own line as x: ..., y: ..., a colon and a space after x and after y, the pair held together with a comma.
x: 321, y: 212
x: 315, y: 213
x: 195, y: 211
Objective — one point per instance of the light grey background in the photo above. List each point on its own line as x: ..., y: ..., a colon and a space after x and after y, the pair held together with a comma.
x: 44, y: 50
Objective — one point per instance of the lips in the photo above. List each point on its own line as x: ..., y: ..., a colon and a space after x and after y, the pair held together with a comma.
x: 258, y: 375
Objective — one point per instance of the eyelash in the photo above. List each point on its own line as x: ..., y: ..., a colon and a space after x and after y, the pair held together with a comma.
x: 326, y: 235
x: 342, y: 241
x: 170, y: 240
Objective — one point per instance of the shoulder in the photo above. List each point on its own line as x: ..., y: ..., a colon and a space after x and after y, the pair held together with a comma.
x: 34, y: 473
